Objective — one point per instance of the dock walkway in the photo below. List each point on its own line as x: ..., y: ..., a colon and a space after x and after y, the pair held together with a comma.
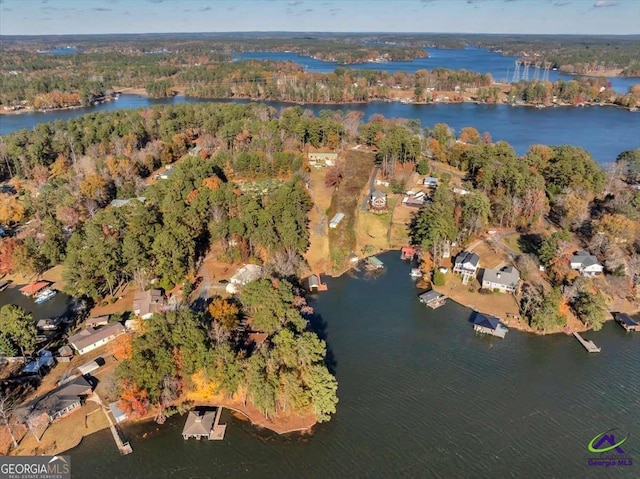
x: 588, y: 344
x: 218, y: 430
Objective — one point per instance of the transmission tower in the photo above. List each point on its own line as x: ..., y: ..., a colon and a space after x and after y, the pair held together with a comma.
x: 545, y: 75
x: 525, y: 73
x: 516, y: 72
x: 536, y: 74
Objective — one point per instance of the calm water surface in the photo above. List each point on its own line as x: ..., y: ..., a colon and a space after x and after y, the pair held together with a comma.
x: 421, y: 395
x: 603, y: 131
x: 473, y: 59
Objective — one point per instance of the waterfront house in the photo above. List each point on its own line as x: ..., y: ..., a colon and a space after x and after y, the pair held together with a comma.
x: 505, y: 280
x: 432, y: 299
x: 483, y: 323
x: 378, y: 201
x: 319, y: 159
x: 466, y: 264
x: 335, y: 221
x: 430, y: 181
x: 147, y: 303
x: 61, y: 401
x: 89, y: 338
x: 627, y: 322
x: 586, y: 264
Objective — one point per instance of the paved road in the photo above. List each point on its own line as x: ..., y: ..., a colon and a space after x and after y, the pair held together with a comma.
x: 372, y: 187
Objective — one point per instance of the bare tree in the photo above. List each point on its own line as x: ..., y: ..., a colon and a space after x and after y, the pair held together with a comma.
x: 7, y: 406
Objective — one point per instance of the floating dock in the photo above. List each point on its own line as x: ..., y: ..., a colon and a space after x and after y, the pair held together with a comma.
x: 588, y: 344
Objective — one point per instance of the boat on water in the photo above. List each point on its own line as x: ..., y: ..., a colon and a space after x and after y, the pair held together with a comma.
x: 4, y: 284
x: 45, y: 295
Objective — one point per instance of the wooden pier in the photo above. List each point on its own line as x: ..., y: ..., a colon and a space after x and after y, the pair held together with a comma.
x: 588, y: 344
x: 217, y: 433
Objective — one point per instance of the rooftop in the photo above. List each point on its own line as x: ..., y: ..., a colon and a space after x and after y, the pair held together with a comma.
x: 148, y: 302
x: 467, y: 257
x: 429, y: 296
x: 199, y: 423
x: 508, y: 276
x: 90, y: 336
x: 487, y: 321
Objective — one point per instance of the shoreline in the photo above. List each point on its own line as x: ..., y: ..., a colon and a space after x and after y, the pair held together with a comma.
x: 180, y: 92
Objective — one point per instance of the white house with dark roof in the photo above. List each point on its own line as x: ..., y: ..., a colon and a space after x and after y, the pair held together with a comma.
x: 89, y: 338
x: 466, y: 264
x: 586, y: 264
x: 505, y: 280
x: 378, y: 201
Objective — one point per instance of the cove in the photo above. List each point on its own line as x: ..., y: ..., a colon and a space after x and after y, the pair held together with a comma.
x: 421, y: 395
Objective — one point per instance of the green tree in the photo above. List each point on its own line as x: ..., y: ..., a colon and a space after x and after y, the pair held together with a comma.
x: 17, y: 328
x: 591, y: 308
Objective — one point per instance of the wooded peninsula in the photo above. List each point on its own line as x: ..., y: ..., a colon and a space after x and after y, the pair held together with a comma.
x: 233, y: 184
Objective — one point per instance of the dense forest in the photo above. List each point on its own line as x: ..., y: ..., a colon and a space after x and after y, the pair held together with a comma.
x: 243, y: 192
x: 561, y: 184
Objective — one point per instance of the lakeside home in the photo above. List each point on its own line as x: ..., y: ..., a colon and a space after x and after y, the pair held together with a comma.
x: 378, y: 201
x: 504, y: 280
x: 61, y: 401
x: 89, y: 338
x: 466, y: 264
x: 147, y: 303
x: 586, y: 264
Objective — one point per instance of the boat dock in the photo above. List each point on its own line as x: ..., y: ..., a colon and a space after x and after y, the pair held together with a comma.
x: 123, y: 446
x: 588, y: 344
x: 628, y: 323
x: 204, y: 424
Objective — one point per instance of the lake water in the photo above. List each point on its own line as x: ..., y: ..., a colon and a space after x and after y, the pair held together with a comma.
x: 56, y: 306
x: 473, y: 59
x: 603, y: 131
x: 421, y: 395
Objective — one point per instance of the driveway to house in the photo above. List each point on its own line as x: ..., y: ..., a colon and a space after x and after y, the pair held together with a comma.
x: 372, y: 188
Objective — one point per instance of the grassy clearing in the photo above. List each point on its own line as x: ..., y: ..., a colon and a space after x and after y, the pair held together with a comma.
x: 513, y: 241
x: 373, y: 229
x: 346, y: 199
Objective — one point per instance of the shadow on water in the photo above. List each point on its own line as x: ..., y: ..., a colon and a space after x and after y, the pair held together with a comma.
x: 319, y: 326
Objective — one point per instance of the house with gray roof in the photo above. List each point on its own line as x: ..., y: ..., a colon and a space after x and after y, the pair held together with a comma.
x: 147, y: 303
x: 466, y: 264
x: 59, y: 402
x: 586, y: 264
x: 199, y: 424
x: 89, y: 338
x: 505, y: 280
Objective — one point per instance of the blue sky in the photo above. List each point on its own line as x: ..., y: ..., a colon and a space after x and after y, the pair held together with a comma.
x: 34, y: 17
